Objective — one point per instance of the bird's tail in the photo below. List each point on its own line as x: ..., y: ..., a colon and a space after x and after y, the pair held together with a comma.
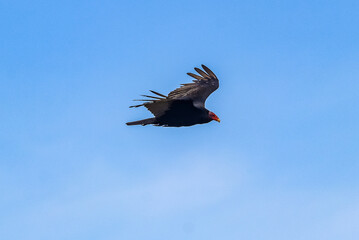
x: 142, y: 122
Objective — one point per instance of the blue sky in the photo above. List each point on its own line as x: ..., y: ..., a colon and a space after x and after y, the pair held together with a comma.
x: 282, y: 164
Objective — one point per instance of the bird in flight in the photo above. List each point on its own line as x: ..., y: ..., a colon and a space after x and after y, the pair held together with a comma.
x: 185, y: 106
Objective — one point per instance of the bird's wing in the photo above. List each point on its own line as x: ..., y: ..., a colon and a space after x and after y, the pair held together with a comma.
x: 198, y: 91
x: 157, y: 105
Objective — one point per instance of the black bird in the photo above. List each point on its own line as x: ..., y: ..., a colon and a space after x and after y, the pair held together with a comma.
x: 185, y: 106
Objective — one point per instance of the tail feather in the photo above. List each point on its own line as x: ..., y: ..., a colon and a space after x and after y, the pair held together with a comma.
x: 142, y: 122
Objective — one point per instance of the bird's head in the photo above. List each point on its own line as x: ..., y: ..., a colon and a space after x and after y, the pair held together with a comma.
x: 213, y: 116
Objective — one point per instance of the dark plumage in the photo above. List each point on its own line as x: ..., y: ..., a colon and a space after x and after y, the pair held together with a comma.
x: 185, y: 106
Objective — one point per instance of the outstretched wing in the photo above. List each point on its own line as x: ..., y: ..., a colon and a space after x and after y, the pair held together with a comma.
x: 197, y: 92
x: 157, y: 105
x: 202, y: 86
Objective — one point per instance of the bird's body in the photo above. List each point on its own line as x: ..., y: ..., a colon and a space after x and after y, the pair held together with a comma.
x: 183, y: 106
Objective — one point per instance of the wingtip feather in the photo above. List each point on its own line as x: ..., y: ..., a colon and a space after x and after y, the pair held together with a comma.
x: 209, y: 72
x: 159, y: 94
x: 194, y: 76
x: 203, y: 74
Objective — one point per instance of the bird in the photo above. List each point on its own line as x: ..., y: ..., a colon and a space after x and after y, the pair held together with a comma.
x: 184, y: 106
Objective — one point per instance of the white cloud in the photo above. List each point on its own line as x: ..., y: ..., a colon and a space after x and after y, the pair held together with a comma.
x: 104, y: 193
